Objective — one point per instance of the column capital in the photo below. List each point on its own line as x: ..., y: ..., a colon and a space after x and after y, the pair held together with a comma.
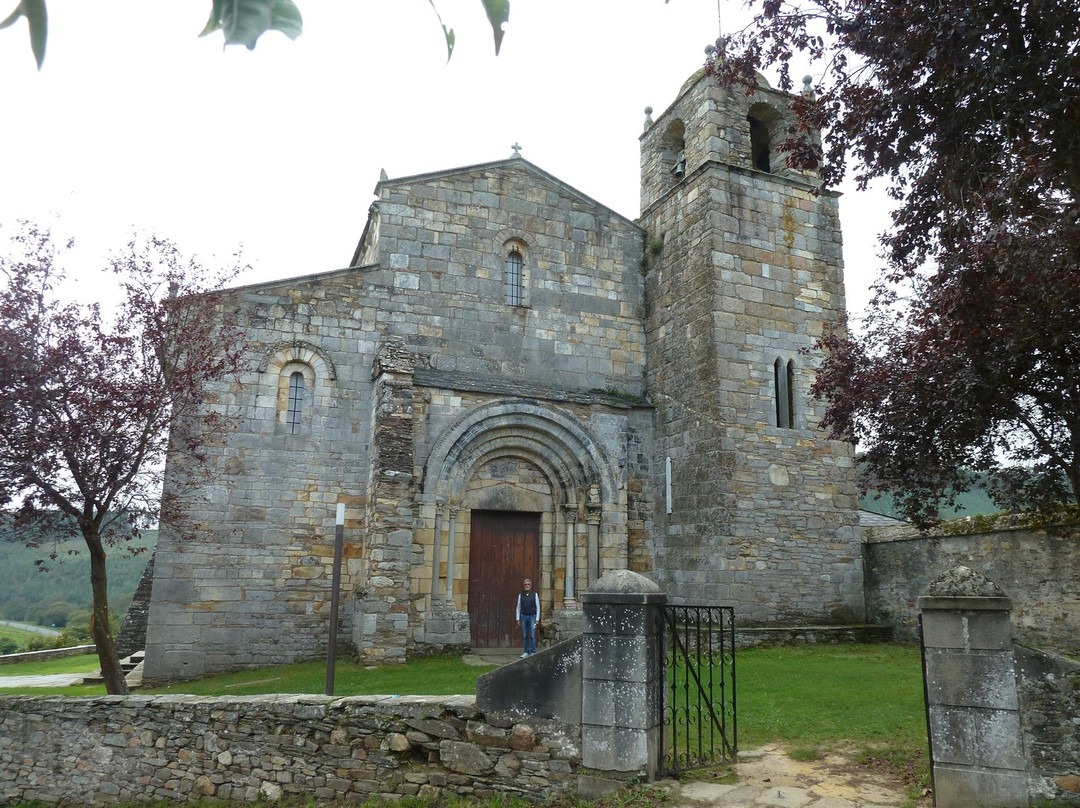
x: 593, y: 514
x: 570, y: 511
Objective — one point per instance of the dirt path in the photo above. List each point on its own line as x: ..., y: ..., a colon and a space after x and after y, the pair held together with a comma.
x: 768, y: 778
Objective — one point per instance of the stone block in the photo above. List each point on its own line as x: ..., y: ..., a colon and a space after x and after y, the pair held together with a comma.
x: 598, y: 702
x: 968, y: 630
x: 1000, y: 744
x: 984, y: 679
x: 956, y: 787
x: 591, y: 787
x: 615, y: 749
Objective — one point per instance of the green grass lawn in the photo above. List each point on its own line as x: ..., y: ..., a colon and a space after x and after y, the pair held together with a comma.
x: 83, y: 663
x: 428, y: 676
x: 804, y: 696
x: 809, y: 695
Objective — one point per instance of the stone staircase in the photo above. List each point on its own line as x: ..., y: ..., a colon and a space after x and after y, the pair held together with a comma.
x: 133, y: 668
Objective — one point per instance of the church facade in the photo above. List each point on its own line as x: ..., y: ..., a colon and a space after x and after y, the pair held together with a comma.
x: 512, y: 380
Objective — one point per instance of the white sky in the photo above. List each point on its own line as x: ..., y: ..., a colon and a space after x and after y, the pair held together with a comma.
x: 135, y: 123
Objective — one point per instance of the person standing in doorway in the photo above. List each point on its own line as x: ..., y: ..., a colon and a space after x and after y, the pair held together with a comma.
x: 527, y: 614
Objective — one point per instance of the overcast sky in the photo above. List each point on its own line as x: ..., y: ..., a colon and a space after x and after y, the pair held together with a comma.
x: 135, y: 123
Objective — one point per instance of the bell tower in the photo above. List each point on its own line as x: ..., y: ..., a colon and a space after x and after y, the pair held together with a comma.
x: 744, y: 270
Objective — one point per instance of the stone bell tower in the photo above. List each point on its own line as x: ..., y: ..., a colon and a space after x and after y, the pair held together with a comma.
x: 744, y: 270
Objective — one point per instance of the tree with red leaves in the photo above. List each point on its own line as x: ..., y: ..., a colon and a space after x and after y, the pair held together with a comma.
x: 969, y: 358
x: 87, y: 401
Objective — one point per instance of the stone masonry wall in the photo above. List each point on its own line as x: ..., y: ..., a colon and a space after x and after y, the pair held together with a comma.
x: 247, y: 581
x: 132, y: 634
x: 1049, y: 689
x: 750, y: 270
x: 1038, y: 568
x: 106, y: 750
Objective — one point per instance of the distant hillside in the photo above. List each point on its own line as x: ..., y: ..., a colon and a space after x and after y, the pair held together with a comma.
x: 973, y: 502
x: 63, y: 593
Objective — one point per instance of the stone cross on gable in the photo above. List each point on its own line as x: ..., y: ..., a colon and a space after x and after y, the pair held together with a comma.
x: 517, y: 149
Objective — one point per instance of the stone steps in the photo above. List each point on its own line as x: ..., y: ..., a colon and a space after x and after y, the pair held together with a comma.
x: 132, y: 666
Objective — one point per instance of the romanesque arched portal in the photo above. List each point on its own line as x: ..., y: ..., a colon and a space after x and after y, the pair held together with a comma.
x: 517, y: 488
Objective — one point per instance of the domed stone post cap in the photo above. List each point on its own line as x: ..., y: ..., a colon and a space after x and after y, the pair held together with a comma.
x: 623, y: 586
x: 964, y: 588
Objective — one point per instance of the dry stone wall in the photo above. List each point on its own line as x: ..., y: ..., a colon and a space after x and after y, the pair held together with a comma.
x: 108, y: 750
x: 1037, y: 566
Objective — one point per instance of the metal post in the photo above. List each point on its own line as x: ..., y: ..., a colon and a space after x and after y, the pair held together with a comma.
x: 331, y: 651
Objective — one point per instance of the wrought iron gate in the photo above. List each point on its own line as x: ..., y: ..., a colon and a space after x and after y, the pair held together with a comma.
x: 700, y: 727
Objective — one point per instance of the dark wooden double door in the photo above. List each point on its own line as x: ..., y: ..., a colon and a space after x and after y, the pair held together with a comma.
x: 504, y: 549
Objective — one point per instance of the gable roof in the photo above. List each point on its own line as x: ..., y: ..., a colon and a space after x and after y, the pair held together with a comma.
x: 516, y: 162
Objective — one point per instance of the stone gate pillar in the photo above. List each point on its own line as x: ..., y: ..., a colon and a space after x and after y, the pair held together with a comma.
x: 974, y: 718
x: 622, y: 698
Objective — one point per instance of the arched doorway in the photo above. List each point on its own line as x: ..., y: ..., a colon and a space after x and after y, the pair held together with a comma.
x: 516, y: 479
x: 504, y: 549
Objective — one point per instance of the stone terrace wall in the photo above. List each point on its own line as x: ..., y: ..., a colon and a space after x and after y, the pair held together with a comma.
x: 1037, y: 566
x: 49, y: 653
x: 106, y: 750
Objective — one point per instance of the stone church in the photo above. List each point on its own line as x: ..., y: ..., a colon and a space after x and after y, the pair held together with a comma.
x: 512, y: 380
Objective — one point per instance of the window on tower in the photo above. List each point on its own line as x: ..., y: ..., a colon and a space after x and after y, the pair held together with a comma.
x: 674, y: 148
x: 759, y: 144
x: 764, y: 122
x: 784, y: 391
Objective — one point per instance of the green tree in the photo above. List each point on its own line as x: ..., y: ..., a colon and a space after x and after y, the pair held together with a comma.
x: 88, y: 403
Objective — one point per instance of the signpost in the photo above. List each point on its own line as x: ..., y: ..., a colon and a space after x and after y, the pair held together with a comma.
x: 331, y: 651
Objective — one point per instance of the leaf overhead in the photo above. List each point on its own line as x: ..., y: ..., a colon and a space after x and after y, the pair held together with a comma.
x: 37, y: 18
x: 244, y: 21
x: 498, y: 14
x: 448, y: 33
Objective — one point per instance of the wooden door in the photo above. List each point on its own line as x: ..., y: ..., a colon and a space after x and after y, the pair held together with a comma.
x: 504, y: 549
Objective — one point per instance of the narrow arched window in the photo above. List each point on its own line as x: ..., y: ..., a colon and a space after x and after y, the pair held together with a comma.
x: 759, y: 144
x: 515, y: 278
x: 782, y: 378
x: 296, y: 402
x: 673, y: 145
x: 791, y: 393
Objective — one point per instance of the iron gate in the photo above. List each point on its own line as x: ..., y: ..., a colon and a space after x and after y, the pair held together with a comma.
x: 700, y: 727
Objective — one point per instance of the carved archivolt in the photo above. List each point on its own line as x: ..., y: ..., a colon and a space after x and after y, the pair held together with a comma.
x: 281, y: 354
x: 551, y: 440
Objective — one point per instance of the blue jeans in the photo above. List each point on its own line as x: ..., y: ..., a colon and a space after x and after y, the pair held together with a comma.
x: 528, y: 632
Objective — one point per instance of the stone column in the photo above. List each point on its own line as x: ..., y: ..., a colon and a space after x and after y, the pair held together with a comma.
x: 381, y: 619
x: 974, y: 720
x: 570, y: 515
x: 450, y: 557
x: 622, y: 698
x: 436, y: 539
x: 592, y: 517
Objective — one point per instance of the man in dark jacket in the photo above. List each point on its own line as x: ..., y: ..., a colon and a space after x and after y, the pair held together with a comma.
x: 527, y: 614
